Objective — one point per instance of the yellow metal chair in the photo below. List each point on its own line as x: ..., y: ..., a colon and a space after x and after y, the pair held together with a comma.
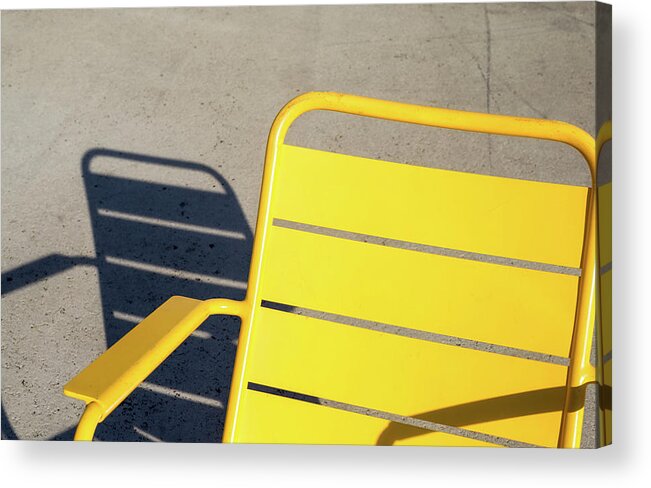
x: 605, y: 197
x: 485, y: 397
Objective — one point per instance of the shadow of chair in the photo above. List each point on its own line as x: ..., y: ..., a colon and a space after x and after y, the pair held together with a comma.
x: 152, y: 240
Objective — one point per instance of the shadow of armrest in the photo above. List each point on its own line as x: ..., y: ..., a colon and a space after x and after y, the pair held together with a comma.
x: 106, y: 382
x: 42, y: 268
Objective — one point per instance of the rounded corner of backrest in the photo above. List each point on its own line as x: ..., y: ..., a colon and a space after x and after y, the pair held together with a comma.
x: 89, y: 156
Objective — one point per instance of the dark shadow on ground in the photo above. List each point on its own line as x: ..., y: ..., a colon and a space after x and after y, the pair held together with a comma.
x: 7, y: 429
x: 154, y: 240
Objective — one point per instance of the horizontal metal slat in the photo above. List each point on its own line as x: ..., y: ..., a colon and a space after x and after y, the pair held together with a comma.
x: 532, y: 221
x: 271, y: 419
x: 514, y: 307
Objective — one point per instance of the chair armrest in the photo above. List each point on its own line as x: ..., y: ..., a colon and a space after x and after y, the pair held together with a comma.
x: 108, y: 380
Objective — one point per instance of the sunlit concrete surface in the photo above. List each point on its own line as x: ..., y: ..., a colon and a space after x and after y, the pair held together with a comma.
x: 168, y: 110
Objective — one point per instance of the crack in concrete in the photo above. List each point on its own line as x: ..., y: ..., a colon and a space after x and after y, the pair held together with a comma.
x: 488, y: 79
x: 566, y: 14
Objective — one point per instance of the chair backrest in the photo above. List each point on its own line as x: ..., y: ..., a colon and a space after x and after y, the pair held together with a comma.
x: 376, y: 316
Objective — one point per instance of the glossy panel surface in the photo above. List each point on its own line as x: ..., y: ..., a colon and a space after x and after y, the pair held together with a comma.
x: 519, y: 219
x: 490, y: 393
x: 504, y: 305
x: 270, y: 419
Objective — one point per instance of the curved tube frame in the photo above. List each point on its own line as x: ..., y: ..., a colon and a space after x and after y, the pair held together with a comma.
x: 88, y: 422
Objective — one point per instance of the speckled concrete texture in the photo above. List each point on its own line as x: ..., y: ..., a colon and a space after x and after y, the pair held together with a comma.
x: 165, y: 113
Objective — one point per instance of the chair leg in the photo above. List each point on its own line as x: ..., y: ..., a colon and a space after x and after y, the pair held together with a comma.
x: 88, y: 422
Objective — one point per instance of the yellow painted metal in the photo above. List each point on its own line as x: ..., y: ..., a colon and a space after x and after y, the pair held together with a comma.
x: 270, y: 419
x: 606, y: 401
x: 490, y: 393
x: 607, y: 334
x: 88, y: 422
x: 106, y: 382
x: 604, y: 135
x: 549, y: 391
x: 520, y: 219
x: 605, y: 223
x: 515, y: 307
x: 605, y: 304
x: 580, y: 371
x: 607, y: 311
